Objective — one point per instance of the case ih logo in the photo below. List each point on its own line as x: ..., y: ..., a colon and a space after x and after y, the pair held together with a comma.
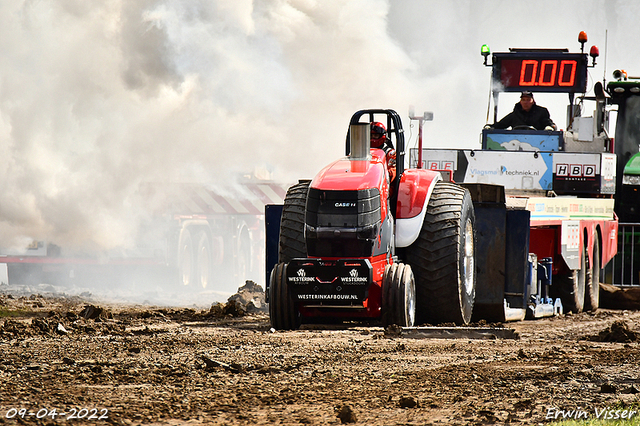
x: 345, y: 204
x: 576, y: 170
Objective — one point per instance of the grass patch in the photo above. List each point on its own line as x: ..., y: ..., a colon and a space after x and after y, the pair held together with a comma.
x: 13, y: 313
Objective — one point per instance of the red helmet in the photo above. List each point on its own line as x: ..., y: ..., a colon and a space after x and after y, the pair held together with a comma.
x: 378, y: 134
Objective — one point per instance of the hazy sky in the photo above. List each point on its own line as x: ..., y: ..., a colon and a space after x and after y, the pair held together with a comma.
x: 99, y: 96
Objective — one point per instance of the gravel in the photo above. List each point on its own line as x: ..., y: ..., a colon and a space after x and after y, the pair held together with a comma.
x: 66, y: 357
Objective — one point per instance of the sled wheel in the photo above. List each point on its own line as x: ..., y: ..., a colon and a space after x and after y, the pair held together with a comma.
x: 185, y: 258
x: 292, y: 243
x: 282, y: 310
x: 571, y: 288
x: 399, y: 295
x: 592, y: 284
x: 443, y: 258
x: 203, y: 261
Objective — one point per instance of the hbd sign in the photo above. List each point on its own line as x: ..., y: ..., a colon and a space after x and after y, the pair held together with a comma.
x: 576, y: 170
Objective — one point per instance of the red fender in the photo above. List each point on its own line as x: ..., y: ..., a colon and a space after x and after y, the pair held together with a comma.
x: 416, y: 186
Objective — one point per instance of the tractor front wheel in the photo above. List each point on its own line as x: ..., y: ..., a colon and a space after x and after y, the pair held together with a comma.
x: 399, y: 300
x: 282, y: 309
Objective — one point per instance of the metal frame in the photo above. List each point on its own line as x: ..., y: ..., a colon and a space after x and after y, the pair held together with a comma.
x: 623, y: 270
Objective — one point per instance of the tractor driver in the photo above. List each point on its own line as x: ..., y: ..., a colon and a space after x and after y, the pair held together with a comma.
x: 527, y: 113
x: 379, y: 140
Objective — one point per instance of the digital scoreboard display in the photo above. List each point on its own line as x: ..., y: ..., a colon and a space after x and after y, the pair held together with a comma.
x: 540, y: 71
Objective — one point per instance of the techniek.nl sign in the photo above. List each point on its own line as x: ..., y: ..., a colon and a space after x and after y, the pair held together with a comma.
x: 514, y: 171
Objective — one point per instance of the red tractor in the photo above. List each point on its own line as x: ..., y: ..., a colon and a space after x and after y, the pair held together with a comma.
x: 360, y: 242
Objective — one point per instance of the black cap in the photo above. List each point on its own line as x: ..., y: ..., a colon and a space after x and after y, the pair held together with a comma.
x: 527, y: 93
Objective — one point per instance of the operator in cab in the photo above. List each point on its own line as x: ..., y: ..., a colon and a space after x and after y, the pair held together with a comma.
x: 379, y: 140
x: 527, y: 113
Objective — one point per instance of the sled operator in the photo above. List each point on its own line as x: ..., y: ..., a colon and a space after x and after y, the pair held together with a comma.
x: 527, y: 113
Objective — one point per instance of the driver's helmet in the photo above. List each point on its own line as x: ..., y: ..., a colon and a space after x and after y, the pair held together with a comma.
x: 378, y: 134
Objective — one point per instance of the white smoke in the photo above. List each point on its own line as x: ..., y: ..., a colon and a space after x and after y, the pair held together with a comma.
x: 97, y: 97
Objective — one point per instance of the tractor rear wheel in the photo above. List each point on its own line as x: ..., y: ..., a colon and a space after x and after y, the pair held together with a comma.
x: 592, y: 284
x: 282, y: 309
x: 292, y: 243
x: 443, y: 257
x: 399, y: 300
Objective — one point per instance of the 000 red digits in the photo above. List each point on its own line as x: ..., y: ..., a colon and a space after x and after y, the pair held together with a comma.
x: 549, y: 73
x: 555, y: 72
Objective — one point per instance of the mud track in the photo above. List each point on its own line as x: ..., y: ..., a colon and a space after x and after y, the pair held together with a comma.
x: 147, y: 365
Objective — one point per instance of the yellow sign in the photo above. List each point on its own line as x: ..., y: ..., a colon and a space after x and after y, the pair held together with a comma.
x: 550, y: 208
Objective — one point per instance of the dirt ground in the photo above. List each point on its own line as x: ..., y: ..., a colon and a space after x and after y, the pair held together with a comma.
x: 71, y: 360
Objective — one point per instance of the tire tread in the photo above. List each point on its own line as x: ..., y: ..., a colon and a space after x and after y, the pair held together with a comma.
x: 434, y: 256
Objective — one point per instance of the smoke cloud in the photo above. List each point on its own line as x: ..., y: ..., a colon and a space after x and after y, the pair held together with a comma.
x: 97, y: 97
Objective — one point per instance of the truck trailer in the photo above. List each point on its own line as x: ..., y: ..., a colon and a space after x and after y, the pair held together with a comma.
x: 195, y: 237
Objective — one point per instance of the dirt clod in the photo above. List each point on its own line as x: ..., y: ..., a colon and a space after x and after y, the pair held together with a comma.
x: 250, y: 297
x: 347, y: 415
x: 619, y: 298
x: 232, y: 308
x: 68, y: 361
x: 618, y: 331
x: 608, y: 388
x: 393, y: 330
x: 92, y: 312
x: 407, y: 402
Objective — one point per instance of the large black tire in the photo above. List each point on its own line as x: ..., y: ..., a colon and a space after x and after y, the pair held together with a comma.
x: 282, y: 309
x: 399, y: 299
x: 292, y: 243
x: 571, y: 288
x: 592, y: 284
x: 443, y: 258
